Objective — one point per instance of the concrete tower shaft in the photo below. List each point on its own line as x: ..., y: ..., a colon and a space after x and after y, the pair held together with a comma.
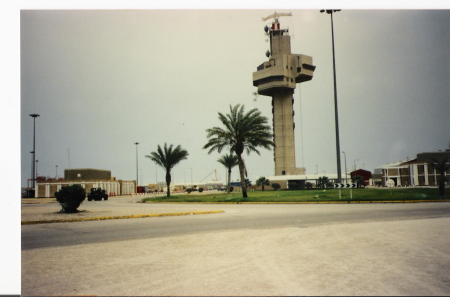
x: 277, y: 78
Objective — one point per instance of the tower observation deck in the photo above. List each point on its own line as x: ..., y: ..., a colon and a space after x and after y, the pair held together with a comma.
x: 277, y: 78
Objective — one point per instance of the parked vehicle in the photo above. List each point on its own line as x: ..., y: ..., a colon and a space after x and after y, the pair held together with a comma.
x: 97, y: 194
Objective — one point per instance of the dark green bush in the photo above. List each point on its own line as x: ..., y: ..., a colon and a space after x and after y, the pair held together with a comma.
x: 275, y: 186
x: 70, y: 198
x: 200, y: 190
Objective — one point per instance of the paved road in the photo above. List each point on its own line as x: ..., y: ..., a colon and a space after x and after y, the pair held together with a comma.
x: 235, y: 217
x: 268, y: 250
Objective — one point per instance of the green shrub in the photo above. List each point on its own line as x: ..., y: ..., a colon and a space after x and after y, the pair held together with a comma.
x: 200, y: 190
x: 70, y: 198
x: 275, y: 186
x: 188, y: 190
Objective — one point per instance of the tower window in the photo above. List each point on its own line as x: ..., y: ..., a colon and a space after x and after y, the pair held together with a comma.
x: 283, y: 172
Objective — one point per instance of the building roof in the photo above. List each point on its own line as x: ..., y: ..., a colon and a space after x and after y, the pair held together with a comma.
x: 301, y: 177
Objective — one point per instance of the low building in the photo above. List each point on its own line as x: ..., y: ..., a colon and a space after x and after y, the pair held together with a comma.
x: 88, y: 178
x: 416, y: 172
x: 87, y: 174
x: 367, y: 175
x: 297, y: 181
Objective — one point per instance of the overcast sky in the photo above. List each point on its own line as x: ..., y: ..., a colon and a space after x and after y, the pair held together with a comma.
x: 103, y: 80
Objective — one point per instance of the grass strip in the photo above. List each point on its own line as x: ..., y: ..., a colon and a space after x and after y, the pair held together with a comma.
x: 311, y: 196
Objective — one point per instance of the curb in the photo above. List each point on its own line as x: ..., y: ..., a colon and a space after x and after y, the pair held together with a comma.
x: 348, y: 202
x: 38, y: 200
x: 122, y: 217
x: 310, y: 202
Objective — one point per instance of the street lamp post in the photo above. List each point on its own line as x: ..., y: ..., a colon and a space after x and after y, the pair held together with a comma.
x: 56, y: 176
x: 137, y: 167
x: 37, y: 168
x: 338, y: 155
x: 345, y: 161
x: 34, y: 115
x: 32, y: 167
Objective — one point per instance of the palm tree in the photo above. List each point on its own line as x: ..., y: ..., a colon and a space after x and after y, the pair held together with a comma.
x: 167, y: 159
x: 229, y: 161
x: 262, y: 181
x: 322, y: 182
x: 359, y: 180
x: 242, y: 132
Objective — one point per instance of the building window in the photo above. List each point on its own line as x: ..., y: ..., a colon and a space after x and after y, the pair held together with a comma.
x: 283, y: 172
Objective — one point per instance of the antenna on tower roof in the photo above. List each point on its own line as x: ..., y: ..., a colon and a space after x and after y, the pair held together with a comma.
x: 276, y: 15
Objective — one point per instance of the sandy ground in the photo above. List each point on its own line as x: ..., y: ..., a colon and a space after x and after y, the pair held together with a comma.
x: 46, y: 209
x: 406, y: 257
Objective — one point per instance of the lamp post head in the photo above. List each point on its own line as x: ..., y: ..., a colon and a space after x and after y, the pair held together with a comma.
x: 329, y: 11
x: 34, y: 115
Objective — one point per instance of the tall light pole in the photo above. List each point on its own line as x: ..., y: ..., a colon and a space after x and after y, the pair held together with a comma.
x: 345, y: 161
x: 338, y: 150
x: 56, y: 175
x: 34, y: 115
x: 32, y: 166
x: 137, y: 170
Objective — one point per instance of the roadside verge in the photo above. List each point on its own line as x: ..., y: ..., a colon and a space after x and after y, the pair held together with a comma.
x: 121, y: 217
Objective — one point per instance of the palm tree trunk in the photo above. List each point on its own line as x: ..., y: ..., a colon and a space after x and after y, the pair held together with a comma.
x: 168, y: 180
x: 241, y: 171
x: 229, y: 179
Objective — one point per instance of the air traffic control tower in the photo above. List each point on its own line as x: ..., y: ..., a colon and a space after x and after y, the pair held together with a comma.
x: 277, y: 78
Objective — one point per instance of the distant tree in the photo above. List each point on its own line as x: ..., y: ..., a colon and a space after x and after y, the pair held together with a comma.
x: 167, y: 158
x: 242, y: 132
x: 359, y: 181
x: 248, y: 183
x: 229, y: 161
x: 308, y: 185
x: 441, y: 166
x: 322, y: 182
x: 262, y: 181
